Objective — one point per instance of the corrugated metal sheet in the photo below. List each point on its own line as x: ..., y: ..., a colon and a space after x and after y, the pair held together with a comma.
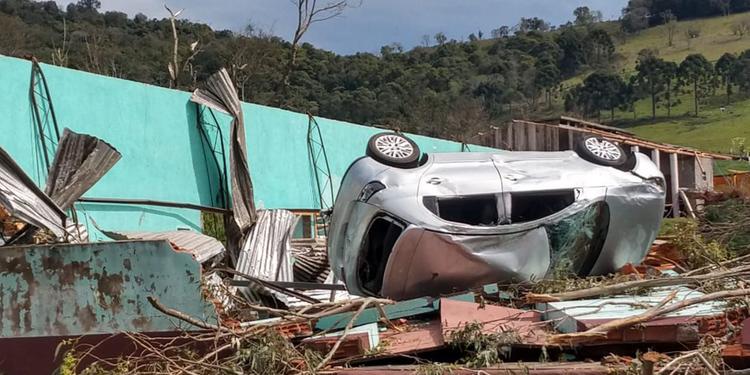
x: 22, y: 199
x: 267, y: 252
x: 221, y: 95
x: 310, y: 261
x: 201, y: 246
x: 80, y: 161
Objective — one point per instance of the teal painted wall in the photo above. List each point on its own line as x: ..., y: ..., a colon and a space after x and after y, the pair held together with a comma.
x: 162, y: 153
x: 69, y: 290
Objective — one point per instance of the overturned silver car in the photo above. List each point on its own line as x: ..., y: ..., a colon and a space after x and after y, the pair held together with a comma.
x: 405, y: 226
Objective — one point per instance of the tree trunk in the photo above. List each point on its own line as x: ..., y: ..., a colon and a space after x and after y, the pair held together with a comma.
x: 669, y: 99
x: 653, y: 102
x: 729, y: 91
x: 695, y: 92
x: 612, y: 114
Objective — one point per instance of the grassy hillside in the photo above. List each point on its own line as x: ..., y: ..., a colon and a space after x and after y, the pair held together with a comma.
x: 713, y: 130
x: 716, y: 38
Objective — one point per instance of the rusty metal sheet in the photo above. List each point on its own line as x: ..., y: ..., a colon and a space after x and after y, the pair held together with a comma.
x: 21, y: 198
x: 102, y: 288
x: 80, y: 161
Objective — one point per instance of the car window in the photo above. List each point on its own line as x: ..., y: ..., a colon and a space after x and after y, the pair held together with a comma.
x: 376, y: 249
x: 577, y: 240
x: 530, y: 206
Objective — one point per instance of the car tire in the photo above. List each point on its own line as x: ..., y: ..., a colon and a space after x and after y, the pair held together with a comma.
x: 601, y: 151
x: 393, y: 149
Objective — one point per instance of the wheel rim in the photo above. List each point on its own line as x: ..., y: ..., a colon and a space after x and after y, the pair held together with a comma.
x: 394, y: 146
x: 603, y: 149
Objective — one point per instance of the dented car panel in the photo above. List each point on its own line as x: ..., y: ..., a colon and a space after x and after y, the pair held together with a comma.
x: 466, y: 219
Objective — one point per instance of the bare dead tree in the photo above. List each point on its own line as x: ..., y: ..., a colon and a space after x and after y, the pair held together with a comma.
x: 308, y: 13
x: 178, y: 65
x: 60, y: 55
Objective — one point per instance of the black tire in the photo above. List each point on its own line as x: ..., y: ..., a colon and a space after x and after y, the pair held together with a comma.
x: 393, y: 149
x: 601, y: 151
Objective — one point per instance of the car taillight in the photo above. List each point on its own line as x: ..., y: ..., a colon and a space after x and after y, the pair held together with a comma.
x: 369, y: 190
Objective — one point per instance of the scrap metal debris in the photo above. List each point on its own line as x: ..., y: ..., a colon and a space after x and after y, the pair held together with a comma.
x: 21, y: 198
x: 221, y: 95
x: 273, y: 307
x: 202, y: 247
x: 80, y: 161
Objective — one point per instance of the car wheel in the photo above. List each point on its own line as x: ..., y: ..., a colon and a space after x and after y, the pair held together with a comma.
x: 601, y: 151
x: 393, y: 149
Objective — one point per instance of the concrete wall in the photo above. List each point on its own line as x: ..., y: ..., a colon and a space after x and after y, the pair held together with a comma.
x: 163, y: 157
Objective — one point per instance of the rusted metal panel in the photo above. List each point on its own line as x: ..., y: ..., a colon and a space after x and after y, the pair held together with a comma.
x: 85, y: 289
x: 80, y: 161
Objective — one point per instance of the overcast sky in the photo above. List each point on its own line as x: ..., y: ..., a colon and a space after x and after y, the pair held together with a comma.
x: 376, y: 22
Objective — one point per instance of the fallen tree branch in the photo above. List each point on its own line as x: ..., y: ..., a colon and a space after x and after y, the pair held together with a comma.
x: 349, y: 326
x: 677, y: 360
x: 635, y: 284
x: 184, y: 317
x: 601, y: 331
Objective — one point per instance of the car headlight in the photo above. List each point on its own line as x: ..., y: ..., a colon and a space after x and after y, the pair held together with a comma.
x: 369, y: 190
x: 658, y: 182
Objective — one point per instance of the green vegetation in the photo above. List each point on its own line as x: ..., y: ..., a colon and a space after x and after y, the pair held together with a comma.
x: 665, y: 77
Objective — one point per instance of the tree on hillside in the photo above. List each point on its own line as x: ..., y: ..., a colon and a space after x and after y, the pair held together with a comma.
x: 741, y: 73
x: 725, y: 6
x: 547, y: 78
x: 725, y: 67
x: 440, y: 38
x: 635, y: 16
x: 649, y: 76
x: 574, y: 47
x: 585, y: 16
x: 601, y: 48
x: 599, y: 91
x: 308, y: 13
x: 501, y: 32
x: 669, y: 70
x: 532, y: 24
x: 670, y: 22
x: 89, y: 4
x: 698, y: 72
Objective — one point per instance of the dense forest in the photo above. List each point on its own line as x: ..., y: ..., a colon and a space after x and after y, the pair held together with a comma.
x: 447, y: 88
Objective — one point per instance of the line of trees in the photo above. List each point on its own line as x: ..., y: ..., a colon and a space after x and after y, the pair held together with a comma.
x: 661, y: 82
x: 641, y: 14
x: 430, y: 89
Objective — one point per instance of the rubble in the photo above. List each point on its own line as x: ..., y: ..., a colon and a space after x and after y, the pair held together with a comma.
x: 263, y: 302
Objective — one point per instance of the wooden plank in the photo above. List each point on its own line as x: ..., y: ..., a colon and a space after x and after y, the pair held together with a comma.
x: 675, y: 184
x: 519, y: 137
x: 509, y: 139
x: 541, y: 144
x: 556, y: 139
x: 531, y: 137
x: 498, y: 138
